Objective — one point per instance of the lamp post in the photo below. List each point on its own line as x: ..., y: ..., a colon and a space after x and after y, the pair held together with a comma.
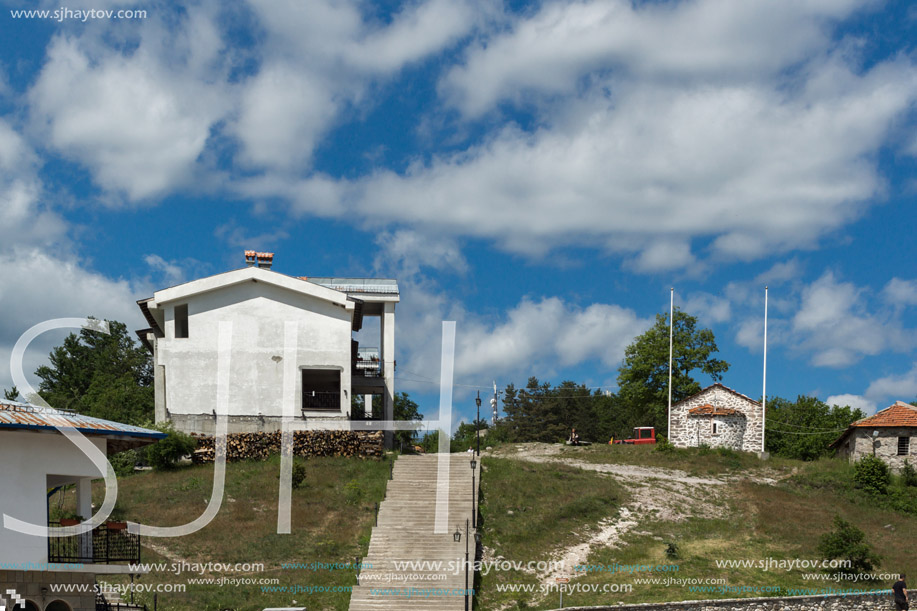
x: 477, y: 423
x: 466, y: 564
x: 474, y: 505
x: 457, y: 536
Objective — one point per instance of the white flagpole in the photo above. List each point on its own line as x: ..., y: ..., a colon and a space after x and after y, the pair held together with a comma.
x: 764, y: 383
x: 668, y: 430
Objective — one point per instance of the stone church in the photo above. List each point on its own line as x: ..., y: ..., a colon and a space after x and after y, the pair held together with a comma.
x: 717, y: 417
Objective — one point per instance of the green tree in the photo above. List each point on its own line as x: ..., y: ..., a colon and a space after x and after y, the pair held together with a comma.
x: 404, y: 408
x: 643, y: 378
x: 804, y: 429
x: 102, y: 375
x: 847, y: 542
x: 12, y: 394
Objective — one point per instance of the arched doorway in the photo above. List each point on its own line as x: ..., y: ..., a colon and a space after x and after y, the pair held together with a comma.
x: 58, y: 605
x: 30, y: 606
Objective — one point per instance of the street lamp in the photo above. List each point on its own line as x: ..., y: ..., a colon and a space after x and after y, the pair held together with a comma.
x: 477, y: 423
x: 474, y: 505
x: 457, y: 535
x: 466, y: 564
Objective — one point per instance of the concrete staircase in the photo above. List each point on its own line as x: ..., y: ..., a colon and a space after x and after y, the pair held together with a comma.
x: 405, y: 533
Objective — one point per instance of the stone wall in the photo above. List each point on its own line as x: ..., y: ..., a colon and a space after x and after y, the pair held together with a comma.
x: 29, y: 585
x: 835, y: 602
x: 860, y: 443
x: 741, y: 431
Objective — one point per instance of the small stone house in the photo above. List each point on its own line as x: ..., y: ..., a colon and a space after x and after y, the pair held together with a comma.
x: 718, y: 417
x: 890, y: 434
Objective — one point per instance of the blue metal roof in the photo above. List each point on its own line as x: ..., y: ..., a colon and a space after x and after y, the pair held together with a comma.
x: 15, y: 415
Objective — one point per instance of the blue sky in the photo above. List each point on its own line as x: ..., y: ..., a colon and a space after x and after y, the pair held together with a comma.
x: 541, y: 173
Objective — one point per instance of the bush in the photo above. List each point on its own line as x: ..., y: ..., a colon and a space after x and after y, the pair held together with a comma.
x: 124, y: 462
x: 847, y: 542
x: 664, y: 445
x: 299, y: 474
x: 165, y: 453
x: 671, y: 551
x: 872, y: 474
x: 908, y: 474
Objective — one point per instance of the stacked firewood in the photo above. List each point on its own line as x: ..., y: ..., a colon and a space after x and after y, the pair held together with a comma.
x: 259, y: 446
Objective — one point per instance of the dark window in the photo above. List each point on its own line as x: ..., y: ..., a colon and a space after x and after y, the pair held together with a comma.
x: 321, y: 389
x: 181, y: 320
x: 904, y: 446
x: 715, y: 427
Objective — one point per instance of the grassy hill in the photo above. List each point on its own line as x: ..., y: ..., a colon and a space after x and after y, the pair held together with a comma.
x: 713, y: 506
x: 598, y: 506
x: 332, y: 516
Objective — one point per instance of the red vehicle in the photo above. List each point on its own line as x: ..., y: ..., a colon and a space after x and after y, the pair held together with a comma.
x: 642, y: 435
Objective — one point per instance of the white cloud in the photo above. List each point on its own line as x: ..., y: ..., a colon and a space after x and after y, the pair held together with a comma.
x: 36, y: 286
x: 139, y: 122
x: 901, y: 387
x: 409, y: 250
x: 650, y: 167
x: 320, y: 58
x: 172, y: 272
x: 709, y: 309
x: 531, y: 338
x: 781, y: 272
x: 284, y: 110
x: 901, y: 292
x: 837, y: 325
x: 23, y: 218
x: 854, y: 401
x: 548, y: 52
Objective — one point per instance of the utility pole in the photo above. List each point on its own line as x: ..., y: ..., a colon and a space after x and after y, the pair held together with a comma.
x: 477, y: 423
x: 668, y: 430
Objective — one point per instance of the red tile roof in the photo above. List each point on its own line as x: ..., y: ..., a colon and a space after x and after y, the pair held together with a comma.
x: 899, y: 414
x: 709, y: 410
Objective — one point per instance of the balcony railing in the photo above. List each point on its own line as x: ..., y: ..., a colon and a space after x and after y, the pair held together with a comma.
x: 367, y: 363
x: 317, y: 399
x: 105, y: 544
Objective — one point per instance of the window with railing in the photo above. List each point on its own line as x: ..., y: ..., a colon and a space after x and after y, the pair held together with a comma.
x: 904, y: 446
x: 321, y: 389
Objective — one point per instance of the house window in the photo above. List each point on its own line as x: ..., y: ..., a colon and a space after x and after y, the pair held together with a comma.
x: 321, y: 389
x: 715, y: 428
x: 181, y: 320
x: 904, y: 446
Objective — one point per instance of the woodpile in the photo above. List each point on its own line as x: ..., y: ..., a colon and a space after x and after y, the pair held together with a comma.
x: 259, y: 446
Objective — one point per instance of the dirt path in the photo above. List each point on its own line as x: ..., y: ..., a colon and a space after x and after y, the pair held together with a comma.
x: 657, y: 494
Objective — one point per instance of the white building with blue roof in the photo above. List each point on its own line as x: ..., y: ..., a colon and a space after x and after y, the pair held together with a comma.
x: 36, y: 459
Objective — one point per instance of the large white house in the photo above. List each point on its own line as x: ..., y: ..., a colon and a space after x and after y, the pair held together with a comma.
x: 38, y: 460
x: 274, y: 318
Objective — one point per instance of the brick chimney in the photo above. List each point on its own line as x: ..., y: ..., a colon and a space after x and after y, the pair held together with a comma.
x: 263, y: 260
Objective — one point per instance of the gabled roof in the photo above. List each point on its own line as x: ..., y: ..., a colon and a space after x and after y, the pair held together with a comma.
x: 718, y: 385
x: 24, y: 416
x: 709, y: 410
x: 900, y: 414
x: 243, y: 275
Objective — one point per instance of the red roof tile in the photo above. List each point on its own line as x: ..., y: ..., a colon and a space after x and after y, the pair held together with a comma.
x: 899, y: 414
x: 709, y: 410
